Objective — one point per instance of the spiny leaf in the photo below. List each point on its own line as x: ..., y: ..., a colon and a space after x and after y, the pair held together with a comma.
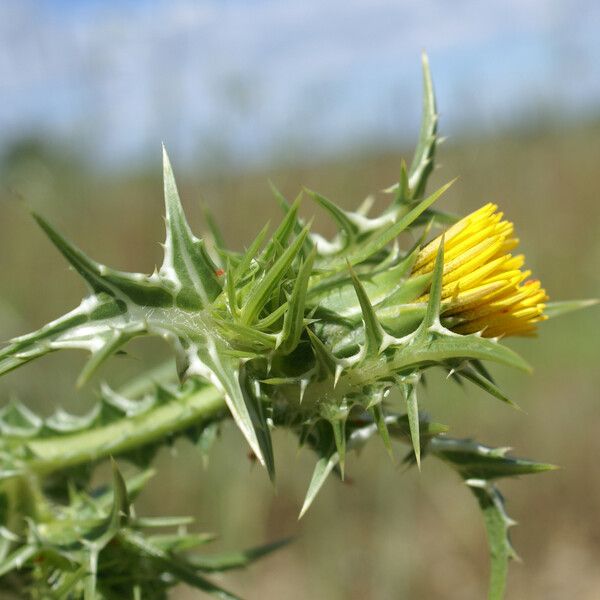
x: 338, y: 295
x: 481, y: 369
x: 235, y: 560
x: 346, y: 224
x: 17, y: 559
x: 359, y: 436
x: 298, y: 226
x: 231, y: 292
x: 412, y: 183
x: 432, y: 315
x: 326, y: 361
x: 186, y: 262
x: 120, y: 508
x: 383, y: 238
x: 403, y: 189
x: 374, y: 333
x: 485, y: 384
x: 323, y: 468
x: 224, y: 373
x: 379, y: 417
x: 89, y: 269
x: 422, y: 163
x: 115, y: 340
x: 446, y: 347
x: 555, y: 309
x: 19, y: 421
x: 96, y: 538
x: 293, y: 322
x: 247, y: 335
x: 338, y: 424
x: 412, y: 409
x: 253, y: 401
x: 244, y: 264
x: 280, y: 237
x: 476, y: 461
x: 497, y: 523
x: 121, y: 286
x: 71, y: 330
x: 182, y: 570
x: 263, y: 288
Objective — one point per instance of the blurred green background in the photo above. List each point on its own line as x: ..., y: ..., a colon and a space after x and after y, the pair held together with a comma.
x: 385, y: 533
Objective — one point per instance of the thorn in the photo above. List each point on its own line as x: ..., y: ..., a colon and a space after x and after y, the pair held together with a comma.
x: 303, y: 385
x: 339, y: 369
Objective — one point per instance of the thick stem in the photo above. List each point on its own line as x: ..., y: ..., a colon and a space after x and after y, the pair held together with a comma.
x: 60, y: 452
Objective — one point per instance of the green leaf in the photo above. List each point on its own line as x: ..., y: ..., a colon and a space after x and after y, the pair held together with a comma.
x: 258, y: 420
x: 412, y: 410
x: 386, y: 286
x: 298, y: 226
x: 263, y: 288
x: 246, y: 336
x: 186, y: 261
x: 378, y: 416
x: 280, y: 237
x: 323, y: 468
x: 117, y: 285
x: 338, y: 425
x: 403, y: 194
x: 347, y: 226
x: 383, y: 238
x: 224, y: 373
x: 175, y: 565
x: 467, y: 346
x: 293, y: 322
x: 418, y: 352
x: 484, y: 383
x: 97, y: 537
x: 476, y: 461
x: 235, y: 560
x: 497, y: 523
x: 374, y: 333
x: 17, y: 559
x: 231, y: 292
x: 327, y: 363
x: 242, y: 268
x: 115, y: 340
x: 555, y: 309
x: 69, y: 580
x: 422, y: 163
x: 432, y: 314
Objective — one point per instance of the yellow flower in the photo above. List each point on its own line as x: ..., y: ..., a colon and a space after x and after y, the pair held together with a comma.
x: 484, y: 288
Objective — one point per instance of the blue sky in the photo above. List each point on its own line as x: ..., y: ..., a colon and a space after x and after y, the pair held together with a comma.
x: 251, y: 80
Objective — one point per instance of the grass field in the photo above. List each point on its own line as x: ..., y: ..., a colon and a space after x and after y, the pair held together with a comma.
x: 387, y: 534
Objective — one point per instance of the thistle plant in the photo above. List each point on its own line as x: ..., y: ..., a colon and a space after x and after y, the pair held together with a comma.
x: 296, y: 332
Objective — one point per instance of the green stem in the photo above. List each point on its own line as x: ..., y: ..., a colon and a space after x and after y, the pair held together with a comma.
x: 64, y: 451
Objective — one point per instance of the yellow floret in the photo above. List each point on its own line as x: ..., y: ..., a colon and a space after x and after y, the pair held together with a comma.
x: 484, y: 288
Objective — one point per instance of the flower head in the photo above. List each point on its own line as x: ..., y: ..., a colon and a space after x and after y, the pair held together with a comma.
x: 485, y: 288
